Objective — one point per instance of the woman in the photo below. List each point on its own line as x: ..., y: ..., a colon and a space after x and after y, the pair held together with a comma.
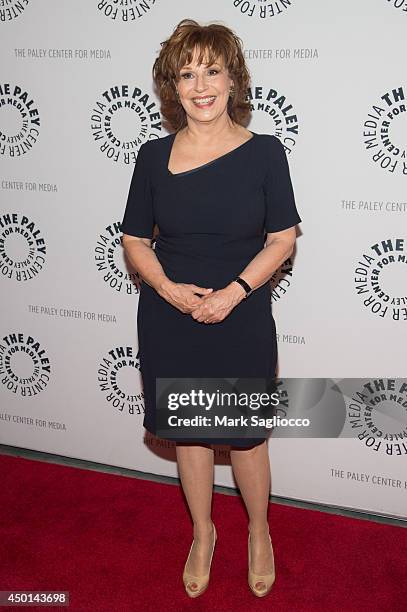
x: 222, y: 199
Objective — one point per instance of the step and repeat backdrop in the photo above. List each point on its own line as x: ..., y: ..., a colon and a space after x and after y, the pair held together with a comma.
x: 76, y: 102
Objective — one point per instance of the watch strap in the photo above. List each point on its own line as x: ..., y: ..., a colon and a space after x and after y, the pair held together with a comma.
x: 245, y: 285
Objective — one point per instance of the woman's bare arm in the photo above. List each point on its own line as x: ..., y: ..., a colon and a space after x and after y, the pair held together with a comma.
x: 143, y: 259
x: 279, y: 246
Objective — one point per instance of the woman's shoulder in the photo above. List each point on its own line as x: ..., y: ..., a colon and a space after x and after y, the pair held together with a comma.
x: 154, y: 149
x: 156, y: 144
x: 272, y: 146
x: 271, y: 140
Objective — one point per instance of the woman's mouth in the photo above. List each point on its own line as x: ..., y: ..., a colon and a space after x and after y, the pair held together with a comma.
x: 204, y: 102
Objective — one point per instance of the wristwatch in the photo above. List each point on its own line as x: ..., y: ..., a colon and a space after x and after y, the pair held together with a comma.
x: 245, y: 285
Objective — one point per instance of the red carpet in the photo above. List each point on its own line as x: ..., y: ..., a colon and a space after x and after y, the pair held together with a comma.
x: 120, y: 544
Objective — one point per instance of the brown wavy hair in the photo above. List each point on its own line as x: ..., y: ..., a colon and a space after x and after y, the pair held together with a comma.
x: 212, y: 41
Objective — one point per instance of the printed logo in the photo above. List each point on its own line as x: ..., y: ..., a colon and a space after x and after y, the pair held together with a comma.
x: 19, y: 121
x: 129, y: 10
x: 24, y: 366
x: 12, y: 10
x: 398, y: 4
x: 22, y: 248
x: 110, y: 263
x: 377, y: 413
x: 383, y: 131
x: 275, y: 105
x: 116, y: 380
x: 373, y: 411
x: 262, y: 9
x: 123, y: 118
x: 380, y: 279
x: 281, y: 280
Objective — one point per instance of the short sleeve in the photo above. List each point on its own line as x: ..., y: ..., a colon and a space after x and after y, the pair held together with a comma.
x: 281, y: 210
x: 138, y: 217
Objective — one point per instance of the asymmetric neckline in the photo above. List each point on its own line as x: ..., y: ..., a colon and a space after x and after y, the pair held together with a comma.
x: 209, y: 163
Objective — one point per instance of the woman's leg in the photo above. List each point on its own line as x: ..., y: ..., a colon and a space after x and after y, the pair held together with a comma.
x: 251, y: 468
x: 195, y: 467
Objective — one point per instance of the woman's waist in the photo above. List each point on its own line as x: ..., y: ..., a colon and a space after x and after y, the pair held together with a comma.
x: 201, y: 271
x: 210, y: 261
x: 208, y: 248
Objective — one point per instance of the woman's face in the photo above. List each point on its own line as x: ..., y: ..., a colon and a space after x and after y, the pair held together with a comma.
x: 204, y: 90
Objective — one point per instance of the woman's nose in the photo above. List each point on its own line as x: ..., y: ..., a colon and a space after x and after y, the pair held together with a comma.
x: 201, y: 82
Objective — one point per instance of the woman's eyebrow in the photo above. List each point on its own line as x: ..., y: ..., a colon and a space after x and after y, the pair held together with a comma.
x: 189, y: 67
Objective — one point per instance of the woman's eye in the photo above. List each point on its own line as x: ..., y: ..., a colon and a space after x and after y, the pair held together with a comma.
x: 186, y: 75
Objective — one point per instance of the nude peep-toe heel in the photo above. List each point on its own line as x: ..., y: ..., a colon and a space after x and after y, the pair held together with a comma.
x: 267, y: 579
x: 201, y: 581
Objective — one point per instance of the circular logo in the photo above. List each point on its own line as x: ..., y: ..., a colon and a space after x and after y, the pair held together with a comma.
x: 19, y: 121
x: 22, y: 248
x: 275, y: 106
x: 377, y: 413
x: 383, y: 130
x: 380, y: 279
x: 110, y: 263
x: 128, y: 10
x: 24, y: 365
x: 123, y: 118
x: 262, y: 9
x: 398, y: 4
x: 116, y: 380
x: 12, y: 9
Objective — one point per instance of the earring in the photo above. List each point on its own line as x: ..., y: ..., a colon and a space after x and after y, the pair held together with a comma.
x: 231, y: 92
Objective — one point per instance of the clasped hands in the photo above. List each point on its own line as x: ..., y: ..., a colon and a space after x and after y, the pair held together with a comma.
x: 211, y: 306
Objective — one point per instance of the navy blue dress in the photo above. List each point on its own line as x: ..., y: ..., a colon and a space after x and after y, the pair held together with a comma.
x: 212, y: 221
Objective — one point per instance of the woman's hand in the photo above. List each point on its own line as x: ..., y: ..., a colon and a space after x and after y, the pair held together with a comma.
x: 216, y: 306
x: 183, y: 295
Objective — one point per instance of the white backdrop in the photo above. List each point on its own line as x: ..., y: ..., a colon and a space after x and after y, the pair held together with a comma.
x: 329, y: 80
